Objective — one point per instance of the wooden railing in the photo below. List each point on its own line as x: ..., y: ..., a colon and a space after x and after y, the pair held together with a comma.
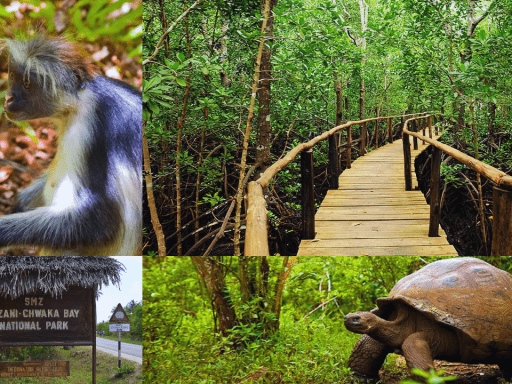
x: 502, y: 193
x: 256, y: 234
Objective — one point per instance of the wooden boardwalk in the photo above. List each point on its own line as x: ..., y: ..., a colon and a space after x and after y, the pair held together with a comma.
x: 372, y: 214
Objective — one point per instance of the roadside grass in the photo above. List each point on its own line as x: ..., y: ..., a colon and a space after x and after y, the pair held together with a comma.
x: 80, y: 359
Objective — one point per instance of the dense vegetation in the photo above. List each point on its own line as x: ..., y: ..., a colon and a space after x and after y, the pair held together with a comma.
x: 323, y: 62
x: 185, y: 342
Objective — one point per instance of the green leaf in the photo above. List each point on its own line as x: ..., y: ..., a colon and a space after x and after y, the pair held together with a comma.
x: 4, y: 13
x: 154, y: 107
x: 181, y: 82
x: 181, y: 57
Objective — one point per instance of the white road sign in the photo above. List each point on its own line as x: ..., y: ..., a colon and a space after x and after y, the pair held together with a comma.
x: 119, y: 327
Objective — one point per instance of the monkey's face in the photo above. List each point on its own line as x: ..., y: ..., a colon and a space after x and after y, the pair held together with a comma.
x: 26, y: 99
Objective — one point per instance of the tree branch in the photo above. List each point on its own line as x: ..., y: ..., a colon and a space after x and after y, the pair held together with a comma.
x: 159, y: 44
x: 472, y: 22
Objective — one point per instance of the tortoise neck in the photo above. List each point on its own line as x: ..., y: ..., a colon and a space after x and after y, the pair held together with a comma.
x: 391, y: 331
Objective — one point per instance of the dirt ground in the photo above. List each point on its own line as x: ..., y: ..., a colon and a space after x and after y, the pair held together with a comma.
x: 466, y: 373
x: 22, y: 160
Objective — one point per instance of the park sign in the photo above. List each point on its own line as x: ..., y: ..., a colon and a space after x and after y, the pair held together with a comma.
x: 40, y: 319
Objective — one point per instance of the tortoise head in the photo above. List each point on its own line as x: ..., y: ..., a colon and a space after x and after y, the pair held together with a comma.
x: 361, y: 322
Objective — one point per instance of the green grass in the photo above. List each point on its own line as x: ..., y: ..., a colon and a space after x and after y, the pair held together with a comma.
x: 304, y: 351
x: 81, y: 372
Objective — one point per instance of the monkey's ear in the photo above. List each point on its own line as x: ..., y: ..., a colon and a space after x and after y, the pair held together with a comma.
x: 82, y: 75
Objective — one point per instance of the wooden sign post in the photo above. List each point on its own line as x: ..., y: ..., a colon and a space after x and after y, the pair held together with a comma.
x: 118, y: 317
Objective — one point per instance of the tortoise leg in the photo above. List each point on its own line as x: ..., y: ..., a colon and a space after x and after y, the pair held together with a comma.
x: 417, y: 352
x: 367, y: 357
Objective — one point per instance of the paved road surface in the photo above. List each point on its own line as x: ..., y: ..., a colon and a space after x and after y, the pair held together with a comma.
x: 131, y: 352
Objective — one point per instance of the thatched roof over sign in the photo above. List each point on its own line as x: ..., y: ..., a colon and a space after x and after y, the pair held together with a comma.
x: 20, y: 275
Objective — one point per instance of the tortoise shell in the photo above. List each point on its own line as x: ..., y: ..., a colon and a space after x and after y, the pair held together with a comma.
x: 466, y: 293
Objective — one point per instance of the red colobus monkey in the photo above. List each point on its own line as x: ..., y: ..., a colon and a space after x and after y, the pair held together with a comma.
x: 89, y: 202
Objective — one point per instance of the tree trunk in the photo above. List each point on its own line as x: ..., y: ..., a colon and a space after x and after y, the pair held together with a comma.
x: 163, y: 20
x: 264, y: 95
x: 339, y: 98
x: 178, y: 149
x: 155, y: 221
x: 212, y: 273
x: 243, y: 160
x: 492, y: 119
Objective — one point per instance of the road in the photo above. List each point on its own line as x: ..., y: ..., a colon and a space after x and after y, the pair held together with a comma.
x: 131, y: 352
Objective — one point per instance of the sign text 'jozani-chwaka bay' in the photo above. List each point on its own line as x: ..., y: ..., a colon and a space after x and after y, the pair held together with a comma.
x: 42, y: 319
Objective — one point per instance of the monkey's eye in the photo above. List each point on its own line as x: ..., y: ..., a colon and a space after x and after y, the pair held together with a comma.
x: 26, y: 84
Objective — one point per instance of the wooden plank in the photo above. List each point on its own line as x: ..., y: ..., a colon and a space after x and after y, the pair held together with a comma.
x: 368, y: 224
x: 377, y: 193
x: 384, y: 242
x: 382, y: 202
x: 387, y: 216
x: 411, y: 233
x: 442, y: 250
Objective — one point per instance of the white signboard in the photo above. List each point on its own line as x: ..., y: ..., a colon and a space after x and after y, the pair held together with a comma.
x: 119, y: 327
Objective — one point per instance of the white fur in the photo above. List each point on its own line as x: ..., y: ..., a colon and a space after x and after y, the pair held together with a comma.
x: 73, y: 143
x: 126, y: 187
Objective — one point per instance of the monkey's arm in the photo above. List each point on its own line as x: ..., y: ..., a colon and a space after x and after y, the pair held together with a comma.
x: 31, y: 197
x: 91, y: 221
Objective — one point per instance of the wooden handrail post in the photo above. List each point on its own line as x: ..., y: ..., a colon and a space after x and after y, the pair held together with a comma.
x: 256, y: 233
x: 435, y: 192
x: 362, y: 147
x: 390, y: 129
x: 423, y: 125
x: 348, y: 160
x: 333, y: 163
x: 430, y: 126
x: 415, y: 129
x: 501, y: 222
x: 377, y: 134
x: 407, y: 161
x: 308, y: 194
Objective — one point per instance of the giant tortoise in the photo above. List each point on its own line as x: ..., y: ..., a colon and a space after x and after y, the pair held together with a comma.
x: 457, y: 310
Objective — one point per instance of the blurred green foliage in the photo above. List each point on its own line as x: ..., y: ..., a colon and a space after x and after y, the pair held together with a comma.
x: 93, y: 19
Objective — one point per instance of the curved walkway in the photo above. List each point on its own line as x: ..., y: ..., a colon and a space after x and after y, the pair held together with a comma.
x: 371, y: 214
